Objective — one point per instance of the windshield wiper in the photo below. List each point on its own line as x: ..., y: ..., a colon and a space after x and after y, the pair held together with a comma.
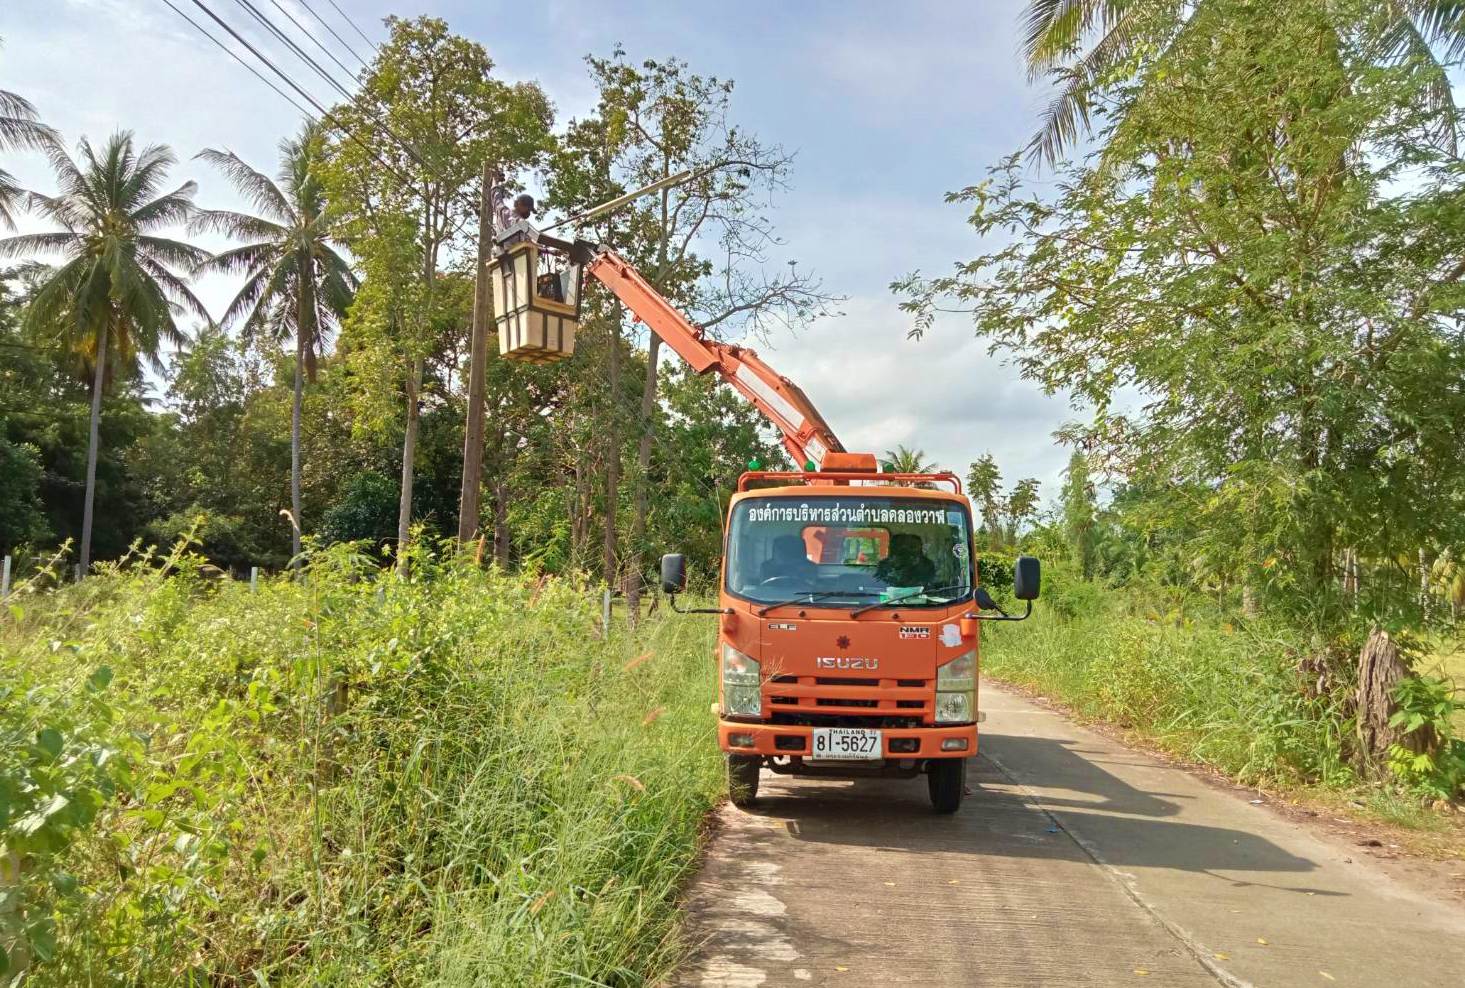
x: 809, y: 596
x: 919, y: 593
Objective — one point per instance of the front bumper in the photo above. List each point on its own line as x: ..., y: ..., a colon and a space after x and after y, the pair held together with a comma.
x: 795, y: 740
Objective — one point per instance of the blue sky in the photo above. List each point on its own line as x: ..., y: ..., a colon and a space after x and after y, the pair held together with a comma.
x: 887, y: 107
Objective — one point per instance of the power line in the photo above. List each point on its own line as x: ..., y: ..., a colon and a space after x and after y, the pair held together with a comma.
x: 301, y: 27
x: 346, y: 93
x: 348, y: 20
x: 299, y: 52
x: 235, y: 55
x: 327, y: 25
x: 325, y: 114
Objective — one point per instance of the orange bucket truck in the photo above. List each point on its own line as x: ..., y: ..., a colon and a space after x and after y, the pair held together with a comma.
x: 848, y: 605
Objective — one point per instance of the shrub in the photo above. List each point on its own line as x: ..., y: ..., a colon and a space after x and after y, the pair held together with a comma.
x: 351, y: 779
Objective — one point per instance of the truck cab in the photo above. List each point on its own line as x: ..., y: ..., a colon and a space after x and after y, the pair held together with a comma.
x: 848, y: 640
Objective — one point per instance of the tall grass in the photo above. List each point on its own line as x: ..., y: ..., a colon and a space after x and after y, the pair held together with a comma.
x: 1227, y: 696
x: 353, y: 779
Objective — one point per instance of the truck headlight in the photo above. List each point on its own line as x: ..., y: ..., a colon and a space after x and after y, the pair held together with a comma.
x: 954, y: 708
x: 956, y: 690
x: 742, y: 692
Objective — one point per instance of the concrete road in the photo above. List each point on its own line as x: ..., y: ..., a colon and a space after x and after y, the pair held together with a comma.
x: 1076, y: 861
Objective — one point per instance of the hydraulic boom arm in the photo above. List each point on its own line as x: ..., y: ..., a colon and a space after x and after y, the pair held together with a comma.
x: 806, y: 435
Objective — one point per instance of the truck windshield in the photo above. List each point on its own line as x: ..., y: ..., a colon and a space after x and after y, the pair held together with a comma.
x: 850, y: 550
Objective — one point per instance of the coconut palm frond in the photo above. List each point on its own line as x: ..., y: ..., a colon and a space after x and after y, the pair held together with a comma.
x: 1408, y: 40
x: 1067, y: 115
x: 31, y: 244
x: 20, y: 125
x: 254, y: 185
x: 236, y: 226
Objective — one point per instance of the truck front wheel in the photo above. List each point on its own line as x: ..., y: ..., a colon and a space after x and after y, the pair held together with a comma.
x: 946, y: 778
x: 742, y: 779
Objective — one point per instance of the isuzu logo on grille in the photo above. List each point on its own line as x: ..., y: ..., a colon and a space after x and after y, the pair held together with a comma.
x: 845, y: 662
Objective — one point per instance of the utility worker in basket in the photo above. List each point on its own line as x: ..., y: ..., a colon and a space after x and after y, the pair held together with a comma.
x: 907, y: 565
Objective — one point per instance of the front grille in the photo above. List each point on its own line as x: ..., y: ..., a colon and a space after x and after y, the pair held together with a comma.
x: 860, y: 700
x: 790, y: 718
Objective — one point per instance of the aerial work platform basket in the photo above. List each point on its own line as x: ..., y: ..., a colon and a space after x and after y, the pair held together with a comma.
x: 536, y: 285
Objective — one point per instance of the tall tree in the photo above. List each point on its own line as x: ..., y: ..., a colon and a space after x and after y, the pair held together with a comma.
x: 1269, y: 255
x: 1085, y: 45
x: 1022, y: 505
x: 904, y: 460
x: 655, y: 120
x: 115, y: 296
x: 1077, y: 504
x: 408, y: 149
x: 297, y: 284
x: 984, y: 487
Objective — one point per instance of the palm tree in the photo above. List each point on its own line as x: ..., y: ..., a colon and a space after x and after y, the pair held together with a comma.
x: 19, y: 128
x: 902, y: 460
x: 1078, y: 42
x: 116, y: 294
x: 296, y: 282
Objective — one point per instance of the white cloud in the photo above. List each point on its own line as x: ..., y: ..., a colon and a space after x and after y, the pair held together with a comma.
x: 942, y: 394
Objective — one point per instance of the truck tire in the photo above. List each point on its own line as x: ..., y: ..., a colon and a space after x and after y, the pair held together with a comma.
x: 742, y: 779
x: 946, y: 778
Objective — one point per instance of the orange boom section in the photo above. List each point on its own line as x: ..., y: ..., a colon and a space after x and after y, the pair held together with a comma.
x: 806, y: 436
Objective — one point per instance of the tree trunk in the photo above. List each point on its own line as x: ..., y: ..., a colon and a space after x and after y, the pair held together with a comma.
x: 93, y: 435
x: 469, y: 499
x: 577, y: 512
x: 613, y: 448
x: 1380, y: 668
x: 648, y: 412
x: 295, y: 408
x: 409, y: 454
x: 643, y: 470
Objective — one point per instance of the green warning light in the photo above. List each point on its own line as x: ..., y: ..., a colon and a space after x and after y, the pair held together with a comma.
x: 809, y: 466
x: 753, y: 464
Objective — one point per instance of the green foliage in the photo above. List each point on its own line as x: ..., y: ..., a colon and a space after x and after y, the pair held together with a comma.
x: 368, y: 512
x: 1203, y: 689
x: 1432, y: 761
x: 22, y: 517
x: 1078, y: 510
x: 348, y: 779
x: 1266, y: 255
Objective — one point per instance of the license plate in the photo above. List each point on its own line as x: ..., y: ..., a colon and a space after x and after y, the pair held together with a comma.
x: 846, y: 742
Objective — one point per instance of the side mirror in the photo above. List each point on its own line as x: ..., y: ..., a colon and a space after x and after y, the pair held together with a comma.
x: 985, y: 601
x: 1026, y: 578
x: 674, y: 573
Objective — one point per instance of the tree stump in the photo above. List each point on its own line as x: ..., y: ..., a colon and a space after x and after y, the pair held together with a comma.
x: 1380, y: 668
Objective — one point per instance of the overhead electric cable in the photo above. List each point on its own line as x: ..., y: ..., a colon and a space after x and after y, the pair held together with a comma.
x: 346, y: 93
x: 327, y: 25
x: 314, y: 40
x: 299, y: 52
x: 235, y: 55
x: 325, y: 114
x: 348, y: 20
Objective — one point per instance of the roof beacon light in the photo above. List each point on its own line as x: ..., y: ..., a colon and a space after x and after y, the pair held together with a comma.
x: 809, y: 466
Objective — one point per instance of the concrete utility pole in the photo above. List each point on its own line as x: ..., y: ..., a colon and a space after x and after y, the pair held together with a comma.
x: 468, y: 503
